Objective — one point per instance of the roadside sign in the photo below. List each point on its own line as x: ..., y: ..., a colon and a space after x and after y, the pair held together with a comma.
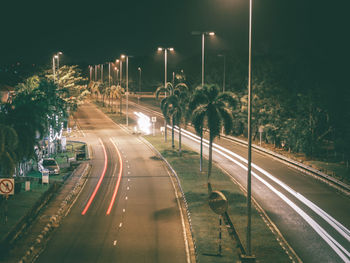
x: 154, y: 119
x: 218, y: 202
x: 45, y: 177
x: 7, y: 186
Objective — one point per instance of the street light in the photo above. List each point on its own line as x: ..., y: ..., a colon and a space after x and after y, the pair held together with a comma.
x: 249, y: 176
x: 102, y: 73
x: 223, y: 80
x: 165, y: 80
x: 140, y: 71
x: 201, y: 145
x: 127, y: 86
x: 90, y: 69
x: 165, y: 63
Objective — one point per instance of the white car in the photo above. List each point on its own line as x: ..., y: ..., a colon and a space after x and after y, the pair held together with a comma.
x: 50, y: 165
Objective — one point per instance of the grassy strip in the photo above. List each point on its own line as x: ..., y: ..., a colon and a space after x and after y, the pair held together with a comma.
x: 19, y: 204
x: 115, y: 116
x: 205, y: 223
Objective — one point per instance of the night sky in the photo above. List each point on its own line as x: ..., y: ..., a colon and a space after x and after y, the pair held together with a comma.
x: 99, y: 31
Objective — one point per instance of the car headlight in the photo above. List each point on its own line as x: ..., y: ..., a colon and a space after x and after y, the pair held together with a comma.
x: 57, y: 170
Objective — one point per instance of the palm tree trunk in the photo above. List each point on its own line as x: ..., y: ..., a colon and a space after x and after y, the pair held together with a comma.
x: 165, y: 129
x: 210, y: 157
x: 172, y: 132
x: 201, y: 152
x: 179, y: 140
x: 121, y: 101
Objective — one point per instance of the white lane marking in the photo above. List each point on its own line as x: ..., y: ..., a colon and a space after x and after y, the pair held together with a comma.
x: 338, y: 248
x: 128, y: 180
x: 126, y: 198
x: 182, y: 220
x: 120, y: 225
x: 115, y: 242
x: 129, y: 172
x: 128, y: 188
x: 123, y: 210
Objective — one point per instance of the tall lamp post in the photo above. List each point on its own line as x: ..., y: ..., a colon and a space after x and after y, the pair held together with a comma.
x: 249, y: 176
x: 127, y: 86
x: 203, y: 34
x: 165, y: 79
x: 102, y: 73
x: 140, y: 75
x: 224, y: 77
x: 95, y: 72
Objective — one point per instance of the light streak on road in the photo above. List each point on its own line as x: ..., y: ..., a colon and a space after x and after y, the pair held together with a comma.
x: 118, y: 180
x: 143, y: 122
x: 337, y: 248
x: 99, y: 181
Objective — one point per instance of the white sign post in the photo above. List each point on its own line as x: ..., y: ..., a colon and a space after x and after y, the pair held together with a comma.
x: 45, y: 177
x: 154, y: 120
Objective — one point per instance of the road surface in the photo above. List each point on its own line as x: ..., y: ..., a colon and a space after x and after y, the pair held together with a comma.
x: 144, y: 222
x: 313, y: 217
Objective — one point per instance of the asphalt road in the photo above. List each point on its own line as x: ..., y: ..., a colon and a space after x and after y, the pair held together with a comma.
x: 313, y: 217
x: 144, y: 223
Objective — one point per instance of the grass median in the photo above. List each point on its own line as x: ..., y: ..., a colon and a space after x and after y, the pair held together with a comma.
x: 205, y: 222
x: 19, y: 204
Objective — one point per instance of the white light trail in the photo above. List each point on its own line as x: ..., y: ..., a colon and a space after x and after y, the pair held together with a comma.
x: 338, y: 248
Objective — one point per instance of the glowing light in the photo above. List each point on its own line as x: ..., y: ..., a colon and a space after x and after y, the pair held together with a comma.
x: 337, y: 247
x: 171, y: 49
x: 143, y: 123
x: 118, y: 181
x: 99, y: 181
x: 211, y: 33
x: 122, y: 56
x: 160, y: 49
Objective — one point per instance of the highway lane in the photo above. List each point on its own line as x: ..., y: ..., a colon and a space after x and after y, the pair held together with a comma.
x: 144, y: 224
x: 305, y: 210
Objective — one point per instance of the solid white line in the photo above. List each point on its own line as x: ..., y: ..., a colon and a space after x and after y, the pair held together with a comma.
x: 182, y: 220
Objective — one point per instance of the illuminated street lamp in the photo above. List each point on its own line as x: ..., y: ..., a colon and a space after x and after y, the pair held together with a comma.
x: 165, y: 63
x: 127, y: 86
x: 116, y: 72
x: 140, y: 75
x: 165, y: 80
x: 249, y: 176
x: 203, y: 34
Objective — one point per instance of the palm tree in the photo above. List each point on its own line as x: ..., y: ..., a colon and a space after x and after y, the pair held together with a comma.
x: 170, y: 89
x: 212, y: 109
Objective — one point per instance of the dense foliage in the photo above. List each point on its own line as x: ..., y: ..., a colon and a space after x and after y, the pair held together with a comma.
x: 37, y: 109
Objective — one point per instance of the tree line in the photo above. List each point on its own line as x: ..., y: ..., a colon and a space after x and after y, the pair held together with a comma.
x: 39, y: 108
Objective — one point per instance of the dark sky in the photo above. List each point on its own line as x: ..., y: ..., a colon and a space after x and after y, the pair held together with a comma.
x: 98, y: 31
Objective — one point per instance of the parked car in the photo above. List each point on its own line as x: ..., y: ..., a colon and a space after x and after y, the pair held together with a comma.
x: 50, y: 165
